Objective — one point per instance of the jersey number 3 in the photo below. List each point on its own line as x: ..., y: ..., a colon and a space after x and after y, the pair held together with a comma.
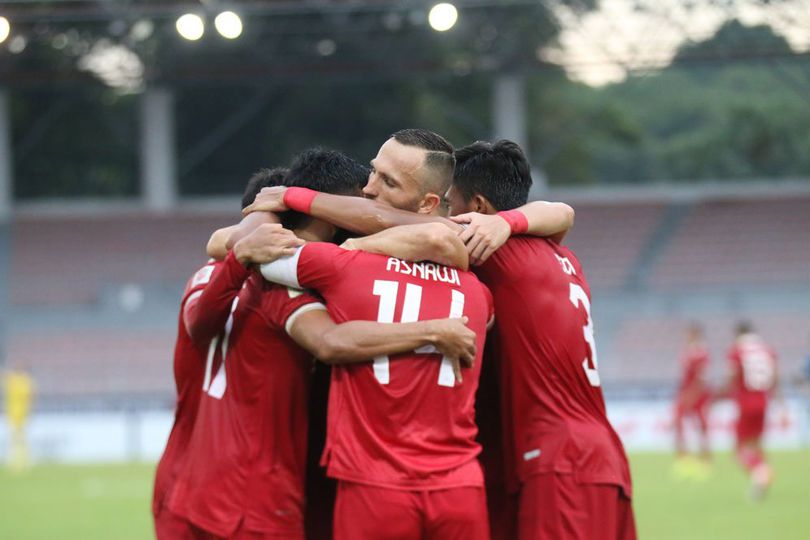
x: 387, y: 291
x: 590, y: 364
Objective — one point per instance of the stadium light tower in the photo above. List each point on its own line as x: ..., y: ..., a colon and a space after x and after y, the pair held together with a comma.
x: 190, y: 26
x: 5, y: 29
x: 228, y: 24
x: 442, y: 17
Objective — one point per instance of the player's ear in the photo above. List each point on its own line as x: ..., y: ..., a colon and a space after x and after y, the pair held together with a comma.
x: 480, y: 204
x: 430, y: 202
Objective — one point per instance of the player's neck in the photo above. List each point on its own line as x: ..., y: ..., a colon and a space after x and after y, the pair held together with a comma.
x: 316, y: 230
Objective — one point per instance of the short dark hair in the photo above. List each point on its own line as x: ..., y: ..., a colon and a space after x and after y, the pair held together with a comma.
x: 440, y: 159
x: 498, y: 171
x: 744, y: 327
x: 261, y: 179
x: 324, y: 170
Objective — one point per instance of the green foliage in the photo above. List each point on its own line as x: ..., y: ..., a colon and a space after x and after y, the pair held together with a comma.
x: 81, y: 144
x: 693, y: 121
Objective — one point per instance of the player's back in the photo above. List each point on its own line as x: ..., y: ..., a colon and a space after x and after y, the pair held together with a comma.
x: 188, y: 368
x: 403, y: 421
x: 550, y: 383
x: 248, y: 452
x: 755, y: 362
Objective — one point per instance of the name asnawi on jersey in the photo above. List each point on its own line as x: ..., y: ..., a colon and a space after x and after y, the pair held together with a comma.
x: 424, y: 270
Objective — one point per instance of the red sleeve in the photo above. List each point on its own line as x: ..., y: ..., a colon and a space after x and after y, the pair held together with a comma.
x: 490, y: 303
x: 284, y: 304
x: 205, y: 316
x: 319, y: 264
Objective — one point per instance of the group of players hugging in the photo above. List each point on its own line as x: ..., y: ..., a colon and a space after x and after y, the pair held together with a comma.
x: 428, y: 433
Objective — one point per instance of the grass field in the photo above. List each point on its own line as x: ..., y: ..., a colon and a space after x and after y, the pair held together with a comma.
x: 112, y: 502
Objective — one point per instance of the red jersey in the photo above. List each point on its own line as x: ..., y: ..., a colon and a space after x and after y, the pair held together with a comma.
x: 754, y: 364
x: 403, y: 422
x: 553, y: 409
x: 694, y: 364
x: 189, y: 364
x: 247, y: 456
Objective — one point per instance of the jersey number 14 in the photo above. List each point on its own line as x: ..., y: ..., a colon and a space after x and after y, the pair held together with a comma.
x: 387, y: 291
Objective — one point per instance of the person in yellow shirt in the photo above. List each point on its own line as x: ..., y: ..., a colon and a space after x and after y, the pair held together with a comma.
x: 18, y: 388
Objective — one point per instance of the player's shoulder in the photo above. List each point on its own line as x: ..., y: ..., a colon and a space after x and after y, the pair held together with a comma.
x: 201, y: 276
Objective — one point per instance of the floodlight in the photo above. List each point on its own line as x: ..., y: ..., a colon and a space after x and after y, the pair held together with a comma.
x: 5, y: 29
x: 442, y: 17
x: 190, y: 26
x: 228, y: 24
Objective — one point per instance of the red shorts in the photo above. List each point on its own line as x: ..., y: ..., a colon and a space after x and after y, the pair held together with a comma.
x: 750, y: 424
x: 242, y: 534
x: 170, y: 526
x: 376, y: 513
x: 555, y: 506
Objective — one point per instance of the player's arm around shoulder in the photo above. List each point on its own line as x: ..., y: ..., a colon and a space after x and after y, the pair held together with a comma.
x: 224, y: 239
x: 421, y: 242
x: 360, y: 341
x: 486, y: 233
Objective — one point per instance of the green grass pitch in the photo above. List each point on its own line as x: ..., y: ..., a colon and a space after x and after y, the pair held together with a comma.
x: 112, y: 502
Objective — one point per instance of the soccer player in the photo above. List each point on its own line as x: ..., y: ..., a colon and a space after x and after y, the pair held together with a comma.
x: 401, y: 434
x: 692, y: 401
x: 564, y: 456
x: 189, y: 367
x: 567, y: 462
x: 19, y: 393
x: 753, y: 379
x: 244, y: 474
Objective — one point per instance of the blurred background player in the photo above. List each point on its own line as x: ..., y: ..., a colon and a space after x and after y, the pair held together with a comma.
x: 753, y: 380
x: 692, y: 402
x: 18, y: 387
x: 190, y: 354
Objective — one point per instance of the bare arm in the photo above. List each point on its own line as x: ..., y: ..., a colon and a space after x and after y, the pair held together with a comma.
x: 356, y: 214
x: 424, y: 242
x: 486, y: 233
x: 225, y: 238
x: 548, y: 219
x: 360, y: 341
x: 217, y: 247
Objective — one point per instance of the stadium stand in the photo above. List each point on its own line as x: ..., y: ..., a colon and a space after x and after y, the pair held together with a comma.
x: 733, y: 243
x: 647, y: 350
x: 608, y: 239
x: 88, y: 254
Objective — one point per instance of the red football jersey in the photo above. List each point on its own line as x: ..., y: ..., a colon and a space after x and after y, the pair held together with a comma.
x: 754, y: 364
x: 694, y: 364
x: 554, y: 413
x: 402, y: 422
x: 189, y: 366
x: 247, y: 456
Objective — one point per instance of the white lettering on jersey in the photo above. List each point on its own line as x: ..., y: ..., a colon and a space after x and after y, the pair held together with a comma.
x: 202, y: 276
x: 424, y: 270
x: 567, y: 267
x: 531, y: 454
x: 758, y: 369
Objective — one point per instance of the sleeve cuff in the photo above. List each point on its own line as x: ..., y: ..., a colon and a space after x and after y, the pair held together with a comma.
x: 299, y: 199
x: 300, y: 311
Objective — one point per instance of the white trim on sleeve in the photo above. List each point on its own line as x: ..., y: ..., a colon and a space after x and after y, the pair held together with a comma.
x: 283, y: 271
x: 300, y: 311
